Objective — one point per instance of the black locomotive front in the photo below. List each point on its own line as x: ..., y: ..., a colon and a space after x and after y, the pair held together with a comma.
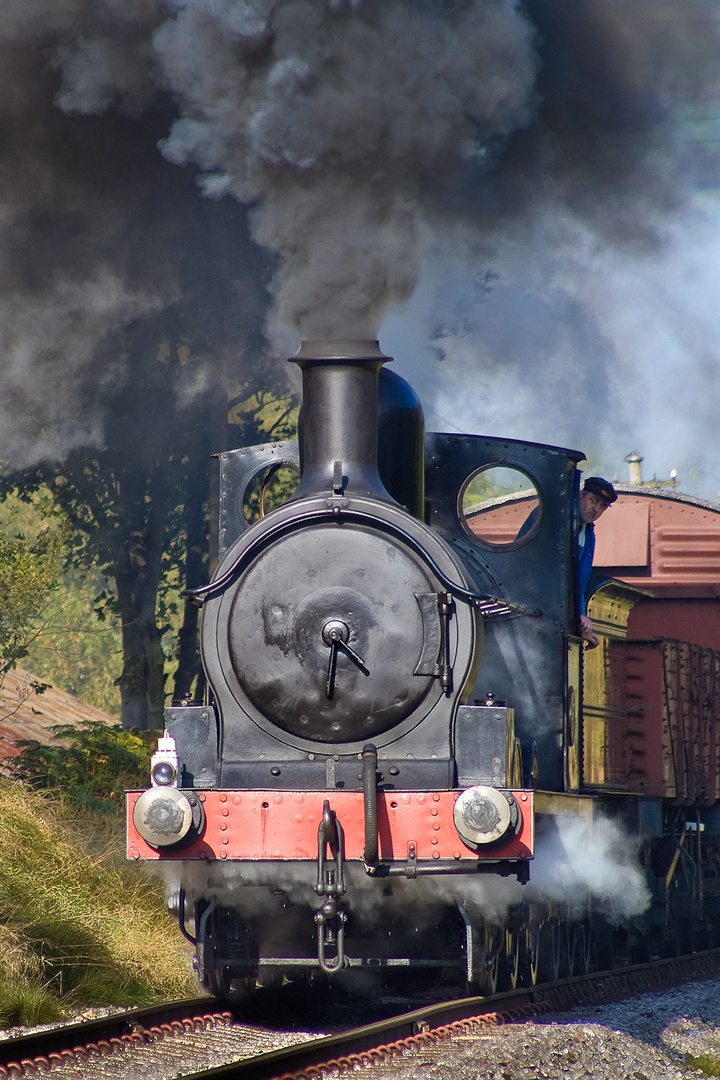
x: 341, y: 637
x: 327, y: 625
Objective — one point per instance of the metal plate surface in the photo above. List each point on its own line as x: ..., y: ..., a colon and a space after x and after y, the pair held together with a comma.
x: 257, y: 825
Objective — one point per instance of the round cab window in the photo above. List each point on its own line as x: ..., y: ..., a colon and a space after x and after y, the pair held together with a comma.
x: 268, y: 489
x: 499, y: 506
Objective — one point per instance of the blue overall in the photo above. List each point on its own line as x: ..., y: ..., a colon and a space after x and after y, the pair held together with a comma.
x: 585, y: 561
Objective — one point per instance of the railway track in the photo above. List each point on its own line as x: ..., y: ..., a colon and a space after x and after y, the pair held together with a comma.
x: 66, y: 1042
x: 164, y: 1041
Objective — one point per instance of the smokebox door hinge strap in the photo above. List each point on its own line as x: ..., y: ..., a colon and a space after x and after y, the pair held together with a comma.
x: 446, y: 606
x: 436, y: 609
x: 428, y: 664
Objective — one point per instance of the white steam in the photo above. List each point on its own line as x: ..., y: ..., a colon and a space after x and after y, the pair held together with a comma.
x: 575, y: 862
x: 579, y: 344
x: 598, y: 860
x: 599, y: 325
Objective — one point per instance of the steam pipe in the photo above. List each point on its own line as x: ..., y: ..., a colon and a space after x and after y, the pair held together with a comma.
x: 369, y: 771
x: 485, y: 602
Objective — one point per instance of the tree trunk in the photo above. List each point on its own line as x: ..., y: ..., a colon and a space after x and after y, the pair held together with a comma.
x: 133, y: 698
x: 142, y: 683
x: 189, y: 668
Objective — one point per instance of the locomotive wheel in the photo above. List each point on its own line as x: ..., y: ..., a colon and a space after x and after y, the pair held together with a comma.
x: 579, y: 948
x: 232, y: 991
x: 530, y: 957
x: 685, y: 934
x: 603, y: 947
x: 644, y: 945
x: 510, y: 960
x: 217, y: 982
x: 493, y: 949
x: 218, y: 931
x: 656, y: 942
x: 550, y: 958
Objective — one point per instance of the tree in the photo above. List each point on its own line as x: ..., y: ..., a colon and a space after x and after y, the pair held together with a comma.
x: 30, y: 569
x: 138, y: 511
x: 156, y: 299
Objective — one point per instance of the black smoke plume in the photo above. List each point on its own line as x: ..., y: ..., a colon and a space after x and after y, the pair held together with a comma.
x: 374, y: 145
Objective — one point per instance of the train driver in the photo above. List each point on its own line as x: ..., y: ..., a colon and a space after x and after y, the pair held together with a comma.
x: 596, y: 496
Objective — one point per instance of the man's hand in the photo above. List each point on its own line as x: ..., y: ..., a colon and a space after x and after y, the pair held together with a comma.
x: 587, y: 633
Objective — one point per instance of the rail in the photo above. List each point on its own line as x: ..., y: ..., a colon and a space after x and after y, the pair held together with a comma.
x: 389, y: 1038
x: 34, y: 1054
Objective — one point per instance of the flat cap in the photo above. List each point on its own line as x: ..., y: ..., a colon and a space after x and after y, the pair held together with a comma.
x: 602, y: 488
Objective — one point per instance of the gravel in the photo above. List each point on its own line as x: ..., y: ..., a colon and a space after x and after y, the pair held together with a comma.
x: 654, y: 1036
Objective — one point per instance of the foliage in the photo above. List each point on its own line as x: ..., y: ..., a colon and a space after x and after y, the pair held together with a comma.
x: 27, y: 1004
x: 267, y: 492
x: 88, y: 766
x: 268, y: 412
x: 84, y: 928
x: 77, y: 647
x: 23, y: 997
x: 707, y: 1063
x: 78, y: 651
x: 31, y: 561
x: 137, y: 509
x: 65, y: 644
x: 496, y: 483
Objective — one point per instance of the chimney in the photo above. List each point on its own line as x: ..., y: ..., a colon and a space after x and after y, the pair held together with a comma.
x: 634, y: 461
x: 338, y: 428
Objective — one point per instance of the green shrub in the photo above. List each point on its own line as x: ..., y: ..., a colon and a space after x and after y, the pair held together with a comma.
x: 88, y: 766
x: 707, y: 1063
x: 25, y: 1004
x: 78, y: 924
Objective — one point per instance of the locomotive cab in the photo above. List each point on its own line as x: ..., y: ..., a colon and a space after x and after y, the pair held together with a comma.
x: 509, y: 508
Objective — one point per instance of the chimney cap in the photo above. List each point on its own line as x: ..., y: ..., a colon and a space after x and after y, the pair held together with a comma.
x: 633, y: 457
x: 340, y: 349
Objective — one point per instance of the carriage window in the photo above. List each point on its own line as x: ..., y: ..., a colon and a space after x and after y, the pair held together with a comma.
x: 269, y: 489
x: 499, y: 506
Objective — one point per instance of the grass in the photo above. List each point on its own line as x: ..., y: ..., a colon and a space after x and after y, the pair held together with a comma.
x: 77, y: 927
x: 707, y: 1063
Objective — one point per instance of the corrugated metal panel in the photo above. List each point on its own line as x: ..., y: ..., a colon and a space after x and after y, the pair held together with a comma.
x: 25, y: 714
x: 683, y: 538
x: 686, y: 554
x: 674, y: 720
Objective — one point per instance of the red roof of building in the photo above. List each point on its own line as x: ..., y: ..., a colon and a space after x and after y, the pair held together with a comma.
x: 25, y: 714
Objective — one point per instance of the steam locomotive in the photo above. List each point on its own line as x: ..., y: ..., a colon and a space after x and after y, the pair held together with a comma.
x: 395, y: 706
